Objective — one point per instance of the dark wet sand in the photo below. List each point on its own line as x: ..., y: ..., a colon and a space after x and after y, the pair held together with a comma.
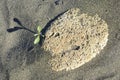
x: 16, y: 63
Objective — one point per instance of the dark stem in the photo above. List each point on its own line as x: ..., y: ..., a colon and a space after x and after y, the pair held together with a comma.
x: 29, y: 30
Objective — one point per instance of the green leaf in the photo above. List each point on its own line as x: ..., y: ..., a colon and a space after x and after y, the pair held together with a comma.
x: 39, y: 29
x: 37, y: 40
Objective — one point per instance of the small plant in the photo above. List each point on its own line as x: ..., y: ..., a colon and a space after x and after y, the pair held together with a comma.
x: 37, y: 34
x: 37, y: 39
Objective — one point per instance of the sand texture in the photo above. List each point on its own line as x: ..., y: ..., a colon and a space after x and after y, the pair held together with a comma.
x: 20, y: 59
x: 74, y: 39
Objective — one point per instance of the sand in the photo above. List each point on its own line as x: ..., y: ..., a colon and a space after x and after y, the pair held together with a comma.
x: 16, y: 60
x: 74, y: 39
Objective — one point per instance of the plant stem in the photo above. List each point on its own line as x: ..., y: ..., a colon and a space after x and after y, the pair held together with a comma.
x: 29, y: 30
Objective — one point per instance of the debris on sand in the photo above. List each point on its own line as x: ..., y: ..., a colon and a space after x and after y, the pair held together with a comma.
x: 74, y: 39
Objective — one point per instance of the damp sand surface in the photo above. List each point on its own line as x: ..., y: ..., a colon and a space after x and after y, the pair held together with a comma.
x: 16, y: 63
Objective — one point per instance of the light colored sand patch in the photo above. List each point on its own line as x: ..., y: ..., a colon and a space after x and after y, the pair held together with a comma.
x: 74, y: 39
x: 20, y: 74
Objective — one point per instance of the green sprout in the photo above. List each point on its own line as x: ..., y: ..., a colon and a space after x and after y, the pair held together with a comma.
x: 37, y: 39
x: 37, y: 34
